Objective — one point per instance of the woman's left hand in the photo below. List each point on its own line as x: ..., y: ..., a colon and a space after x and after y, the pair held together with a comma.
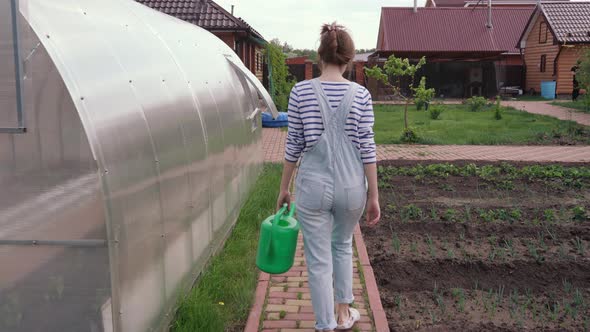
x: 373, y: 211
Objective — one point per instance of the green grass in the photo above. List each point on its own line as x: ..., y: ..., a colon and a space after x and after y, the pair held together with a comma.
x: 457, y: 125
x: 222, y: 297
x: 577, y: 105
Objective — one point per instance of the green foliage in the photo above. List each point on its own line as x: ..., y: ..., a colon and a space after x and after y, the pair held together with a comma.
x: 281, y: 83
x: 409, y: 135
x: 435, y: 111
x: 583, y: 72
x: 412, y: 212
x: 579, y: 213
x: 476, y: 104
x: 396, y: 69
x: 422, y: 94
x: 498, y: 109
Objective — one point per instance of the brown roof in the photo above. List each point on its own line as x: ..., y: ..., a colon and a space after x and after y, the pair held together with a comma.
x: 569, y: 21
x: 204, y: 13
x: 451, y: 30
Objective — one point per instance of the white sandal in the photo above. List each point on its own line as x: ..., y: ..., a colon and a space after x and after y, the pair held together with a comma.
x: 354, y: 316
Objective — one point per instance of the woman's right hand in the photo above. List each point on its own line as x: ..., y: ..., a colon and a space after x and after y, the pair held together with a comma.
x: 284, y: 197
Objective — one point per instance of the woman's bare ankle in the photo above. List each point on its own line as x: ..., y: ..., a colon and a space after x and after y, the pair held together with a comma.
x: 343, y: 312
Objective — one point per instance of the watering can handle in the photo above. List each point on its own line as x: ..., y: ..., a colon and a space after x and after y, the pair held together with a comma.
x: 292, y: 211
x: 277, y: 218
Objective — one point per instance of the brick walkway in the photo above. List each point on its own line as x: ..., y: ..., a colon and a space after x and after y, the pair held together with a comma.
x: 283, y: 302
x: 273, y: 141
x: 545, y: 108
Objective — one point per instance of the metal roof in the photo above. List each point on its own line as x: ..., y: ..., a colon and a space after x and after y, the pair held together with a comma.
x: 451, y: 29
x: 569, y: 21
x: 205, y: 13
x: 448, y: 3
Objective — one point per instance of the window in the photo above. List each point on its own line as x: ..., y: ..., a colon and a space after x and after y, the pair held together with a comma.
x: 11, y: 113
x: 543, y: 64
x: 543, y: 33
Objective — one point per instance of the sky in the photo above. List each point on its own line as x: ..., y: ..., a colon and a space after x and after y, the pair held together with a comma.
x: 298, y: 22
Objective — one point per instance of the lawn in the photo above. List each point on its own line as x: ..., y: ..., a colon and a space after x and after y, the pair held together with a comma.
x: 457, y: 125
x: 577, y: 105
x: 483, y: 247
x: 223, y: 295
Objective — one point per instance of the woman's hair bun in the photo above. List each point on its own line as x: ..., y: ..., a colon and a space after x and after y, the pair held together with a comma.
x: 336, y: 45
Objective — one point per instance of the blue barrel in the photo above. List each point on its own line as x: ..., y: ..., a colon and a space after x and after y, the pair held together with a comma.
x: 281, y: 121
x: 548, y: 89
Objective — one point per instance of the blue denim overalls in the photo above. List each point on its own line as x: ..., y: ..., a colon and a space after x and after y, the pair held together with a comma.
x: 331, y: 195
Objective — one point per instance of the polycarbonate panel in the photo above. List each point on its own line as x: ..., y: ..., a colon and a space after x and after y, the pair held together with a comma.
x: 55, y: 272
x: 167, y: 118
x: 54, y: 289
x: 8, y: 83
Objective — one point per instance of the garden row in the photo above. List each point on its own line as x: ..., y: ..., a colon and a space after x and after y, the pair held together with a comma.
x: 459, y: 248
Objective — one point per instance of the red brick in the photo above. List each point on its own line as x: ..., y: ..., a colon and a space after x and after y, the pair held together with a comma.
x: 282, y: 295
x: 308, y: 316
x: 364, y: 326
x: 279, y: 324
x: 306, y: 310
x: 276, y: 301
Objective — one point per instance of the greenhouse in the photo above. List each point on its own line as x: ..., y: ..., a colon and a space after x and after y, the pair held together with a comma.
x: 128, y: 143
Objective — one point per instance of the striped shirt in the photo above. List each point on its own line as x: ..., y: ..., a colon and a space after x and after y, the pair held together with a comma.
x: 306, y: 125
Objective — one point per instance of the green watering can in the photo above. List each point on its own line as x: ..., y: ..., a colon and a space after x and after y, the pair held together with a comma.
x: 278, y: 242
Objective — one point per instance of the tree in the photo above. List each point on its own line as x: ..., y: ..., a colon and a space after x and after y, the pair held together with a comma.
x: 396, y: 69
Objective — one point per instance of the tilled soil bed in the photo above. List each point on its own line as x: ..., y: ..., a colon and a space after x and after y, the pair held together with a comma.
x: 473, y: 246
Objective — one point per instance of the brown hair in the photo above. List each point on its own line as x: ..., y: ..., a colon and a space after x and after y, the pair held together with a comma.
x: 336, y: 45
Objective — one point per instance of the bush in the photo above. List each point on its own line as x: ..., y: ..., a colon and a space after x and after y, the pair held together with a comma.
x: 409, y: 135
x: 280, y: 82
x: 435, y: 111
x: 422, y: 95
x: 498, y: 109
x: 476, y: 104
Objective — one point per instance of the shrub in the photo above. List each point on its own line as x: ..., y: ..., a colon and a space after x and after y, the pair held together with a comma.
x: 422, y: 95
x: 476, y: 104
x: 409, y: 135
x: 498, y: 109
x: 435, y: 111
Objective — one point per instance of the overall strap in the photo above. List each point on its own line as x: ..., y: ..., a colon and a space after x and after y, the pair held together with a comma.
x: 346, y: 104
x: 324, y: 105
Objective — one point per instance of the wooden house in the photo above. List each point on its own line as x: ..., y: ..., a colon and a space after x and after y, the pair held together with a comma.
x: 556, y: 36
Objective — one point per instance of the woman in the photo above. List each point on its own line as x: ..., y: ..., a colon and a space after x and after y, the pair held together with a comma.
x: 331, y: 128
